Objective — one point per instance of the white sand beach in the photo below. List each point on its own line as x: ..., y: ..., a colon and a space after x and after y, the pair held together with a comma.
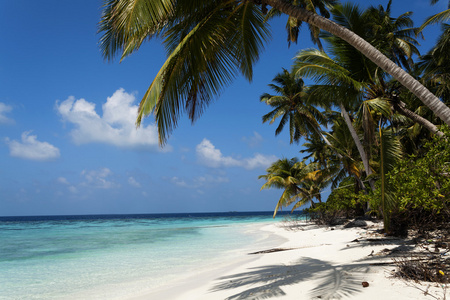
x: 316, y: 263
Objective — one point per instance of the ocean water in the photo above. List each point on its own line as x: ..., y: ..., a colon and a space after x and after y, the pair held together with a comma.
x: 115, y: 256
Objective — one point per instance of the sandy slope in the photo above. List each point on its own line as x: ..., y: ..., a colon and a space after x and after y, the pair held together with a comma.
x: 320, y: 264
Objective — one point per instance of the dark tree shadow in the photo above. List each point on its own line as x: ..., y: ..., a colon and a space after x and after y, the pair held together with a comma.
x: 335, y: 281
x: 400, y: 246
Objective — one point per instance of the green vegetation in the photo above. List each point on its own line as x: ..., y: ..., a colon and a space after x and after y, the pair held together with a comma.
x: 373, y: 120
x: 209, y: 42
x: 385, y: 155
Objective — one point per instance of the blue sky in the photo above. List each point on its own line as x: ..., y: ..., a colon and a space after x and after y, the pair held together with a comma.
x: 68, y: 144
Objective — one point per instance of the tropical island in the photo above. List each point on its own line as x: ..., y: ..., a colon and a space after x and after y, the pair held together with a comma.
x: 369, y: 110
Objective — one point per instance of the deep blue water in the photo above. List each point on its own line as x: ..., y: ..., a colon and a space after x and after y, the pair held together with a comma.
x: 232, y: 215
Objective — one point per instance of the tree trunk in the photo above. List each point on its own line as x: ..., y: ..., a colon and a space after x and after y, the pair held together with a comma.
x: 430, y: 100
x: 360, y: 147
x: 401, y: 108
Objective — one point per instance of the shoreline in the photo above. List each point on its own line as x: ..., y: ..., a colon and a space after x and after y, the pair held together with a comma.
x: 308, y: 263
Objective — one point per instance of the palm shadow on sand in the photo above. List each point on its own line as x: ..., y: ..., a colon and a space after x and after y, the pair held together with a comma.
x: 335, y: 281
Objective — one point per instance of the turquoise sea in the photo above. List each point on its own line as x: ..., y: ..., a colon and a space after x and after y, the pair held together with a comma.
x: 115, y: 256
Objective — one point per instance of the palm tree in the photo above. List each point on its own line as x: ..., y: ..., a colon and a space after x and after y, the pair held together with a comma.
x: 435, y: 66
x: 319, y: 151
x: 388, y: 100
x: 394, y: 37
x: 349, y: 164
x: 440, y: 109
x: 390, y: 154
x: 290, y: 104
x: 349, y: 78
x: 338, y: 87
x: 208, y: 43
x: 296, y: 178
x: 437, y: 18
x: 293, y: 25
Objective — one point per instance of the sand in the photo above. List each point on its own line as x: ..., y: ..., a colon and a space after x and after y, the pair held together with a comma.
x: 316, y: 263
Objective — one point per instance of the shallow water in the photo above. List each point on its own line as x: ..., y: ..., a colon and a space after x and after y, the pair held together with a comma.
x: 115, y: 257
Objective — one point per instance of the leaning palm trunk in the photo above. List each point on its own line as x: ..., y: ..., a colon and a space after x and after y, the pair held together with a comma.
x: 401, y: 108
x: 358, y: 143
x: 327, y: 142
x: 430, y: 100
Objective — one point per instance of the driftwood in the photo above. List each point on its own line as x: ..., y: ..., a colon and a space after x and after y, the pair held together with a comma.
x: 271, y: 250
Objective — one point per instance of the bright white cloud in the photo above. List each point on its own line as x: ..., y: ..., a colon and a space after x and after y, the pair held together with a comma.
x: 210, y: 156
x: 30, y: 148
x: 4, y: 109
x: 116, y: 126
x: 98, y: 178
x: 133, y: 182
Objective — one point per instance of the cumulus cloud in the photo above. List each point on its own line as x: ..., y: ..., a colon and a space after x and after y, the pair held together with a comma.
x: 115, y: 127
x: 30, y: 148
x: 98, y: 178
x: 4, y: 109
x: 210, y: 156
x: 133, y: 182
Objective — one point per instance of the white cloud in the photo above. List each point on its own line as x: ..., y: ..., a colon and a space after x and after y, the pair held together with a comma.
x: 133, y: 182
x: 259, y: 161
x: 116, y: 126
x: 98, y: 178
x: 3, y: 110
x: 31, y: 148
x: 212, y: 157
x: 253, y: 141
x: 208, y: 155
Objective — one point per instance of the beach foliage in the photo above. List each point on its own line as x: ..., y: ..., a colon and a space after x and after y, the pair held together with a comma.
x: 385, y: 154
x: 367, y: 120
x: 210, y: 42
x: 421, y: 185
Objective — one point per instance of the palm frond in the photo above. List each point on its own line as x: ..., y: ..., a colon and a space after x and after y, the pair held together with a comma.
x: 206, y: 53
x: 125, y: 24
x: 437, y: 18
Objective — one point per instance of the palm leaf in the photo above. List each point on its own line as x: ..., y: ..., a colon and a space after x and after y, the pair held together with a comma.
x: 205, y: 59
x: 390, y: 154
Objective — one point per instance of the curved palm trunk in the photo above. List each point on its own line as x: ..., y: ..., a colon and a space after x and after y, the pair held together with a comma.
x: 430, y: 100
x: 358, y: 143
x: 400, y: 107
x: 327, y: 142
